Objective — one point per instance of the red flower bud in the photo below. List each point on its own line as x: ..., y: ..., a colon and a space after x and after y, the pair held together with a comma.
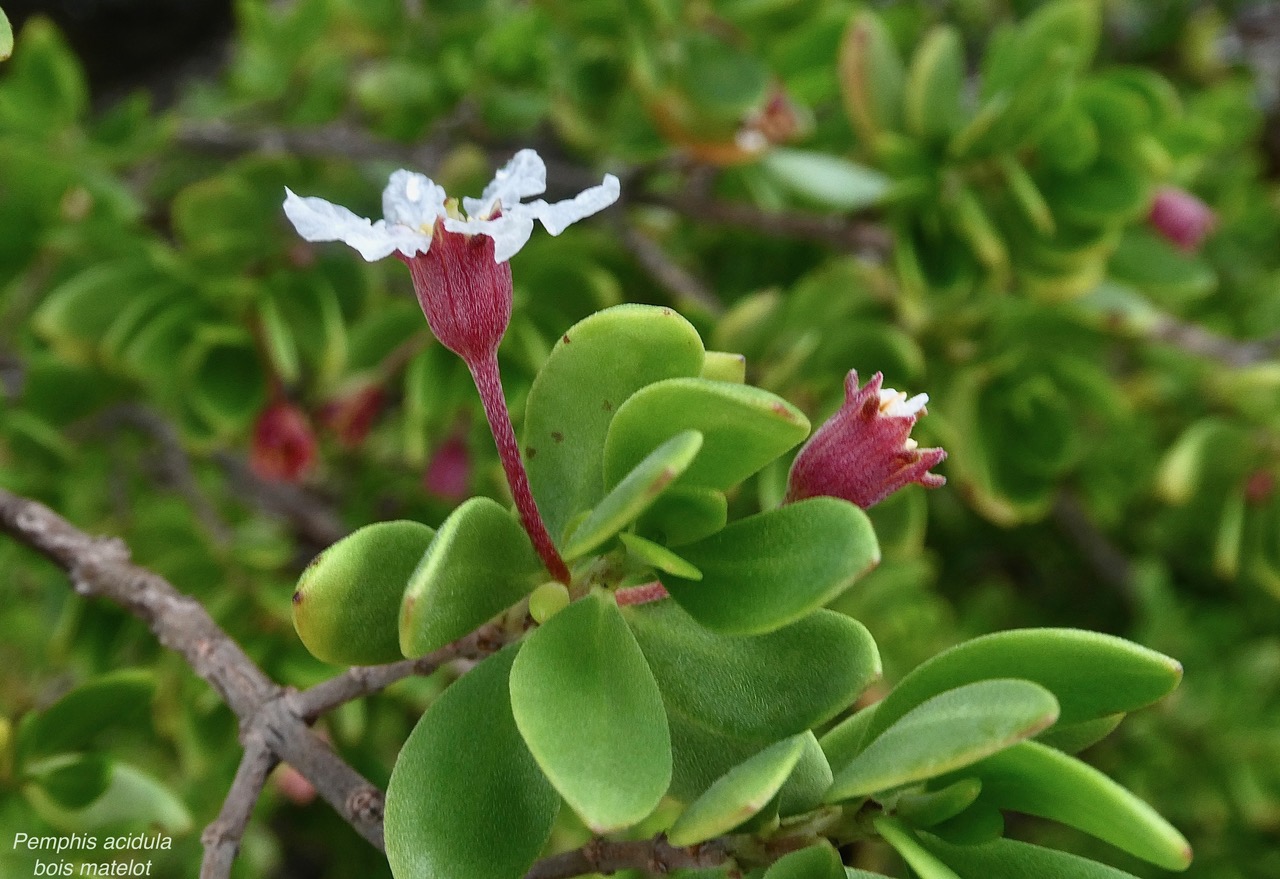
x: 864, y: 452
x: 284, y: 446
x: 351, y: 414
x: 1181, y: 219
x: 448, y: 474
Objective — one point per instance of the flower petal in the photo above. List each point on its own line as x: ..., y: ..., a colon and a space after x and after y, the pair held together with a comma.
x: 559, y: 216
x: 524, y: 175
x: 319, y: 220
x: 509, y: 232
x: 412, y: 200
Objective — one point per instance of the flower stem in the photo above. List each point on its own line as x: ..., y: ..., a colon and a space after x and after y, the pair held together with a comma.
x: 489, y: 383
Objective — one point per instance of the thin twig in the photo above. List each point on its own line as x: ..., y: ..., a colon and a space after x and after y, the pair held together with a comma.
x: 221, y: 839
x: 364, y: 680
x: 670, y: 275
x: 306, y: 512
x: 867, y: 239
x: 1107, y: 560
x: 654, y: 856
x: 100, y: 568
x: 173, y: 464
x: 1201, y: 342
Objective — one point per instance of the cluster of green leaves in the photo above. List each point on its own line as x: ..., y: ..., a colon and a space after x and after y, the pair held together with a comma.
x: 613, y: 706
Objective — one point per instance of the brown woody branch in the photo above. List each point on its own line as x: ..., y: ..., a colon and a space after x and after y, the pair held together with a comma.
x: 270, y: 726
x: 1197, y: 340
x: 656, y: 857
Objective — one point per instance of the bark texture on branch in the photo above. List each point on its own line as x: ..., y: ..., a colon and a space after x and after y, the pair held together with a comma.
x: 270, y: 726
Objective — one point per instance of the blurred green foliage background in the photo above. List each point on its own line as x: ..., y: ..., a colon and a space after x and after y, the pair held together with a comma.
x: 958, y: 194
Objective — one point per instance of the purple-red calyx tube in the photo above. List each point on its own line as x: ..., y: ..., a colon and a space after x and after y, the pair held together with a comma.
x: 864, y: 452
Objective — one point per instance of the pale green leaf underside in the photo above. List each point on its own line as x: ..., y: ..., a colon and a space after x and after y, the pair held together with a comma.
x: 590, y: 711
x: 738, y: 794
x: 947, y: 732
x: 466, y: 798
x: 479, y: 563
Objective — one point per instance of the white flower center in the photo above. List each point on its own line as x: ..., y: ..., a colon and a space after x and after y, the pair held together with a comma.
x: 895, y: 404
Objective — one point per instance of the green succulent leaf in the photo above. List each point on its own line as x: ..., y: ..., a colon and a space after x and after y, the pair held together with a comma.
x: 635, y: 493
x: 72, y: 781
x: 829, y: 181
x: 934, y: 85
x: 1007, y: 859
x: 658, y: 557
x: 1075, y: 737
x: 929, y: 807
x: 809, y: 781
x: 592, y: 370
x: 6, y: 37
x: 738, y: 794
x: 466, y: 798
x: 771, y: 569
x: 118, y: 700
x: 1090, y: 674
x: 871, y: 77
x: 925, y: 864
x: 1039, y: 780
x: 743, y: 429
x: 976, y: 825
x: 132, y: 799
x: 591, y: 713
x: 819, y: 861
x: 683, y: 515
x: 944, y: 733
x: 478, y: 564
x: 346, y: 607
x: 799, y: 675
x: 723, y: 366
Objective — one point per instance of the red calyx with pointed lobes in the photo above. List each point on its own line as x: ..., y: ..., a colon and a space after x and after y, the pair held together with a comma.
x: 864, y: 452
x: 284, y: 446
x: 464, y: 292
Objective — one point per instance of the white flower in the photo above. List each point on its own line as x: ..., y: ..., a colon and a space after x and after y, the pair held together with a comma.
x: 895, y: 404
x: 412, y: 203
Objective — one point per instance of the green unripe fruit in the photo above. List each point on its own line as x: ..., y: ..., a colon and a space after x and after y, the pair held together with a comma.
x: 347, y: 604
x: 548, y: 600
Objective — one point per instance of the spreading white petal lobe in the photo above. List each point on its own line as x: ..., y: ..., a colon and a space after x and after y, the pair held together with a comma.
x: 524, y: 175
x: 412, y: 200
x: 412, y: 203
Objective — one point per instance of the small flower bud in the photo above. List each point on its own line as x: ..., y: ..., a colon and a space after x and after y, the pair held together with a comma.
x: 448, y: 474
x: 284, y: 446
x: 350, y: 415
x: 1181, y: 219
x: 864, y: 452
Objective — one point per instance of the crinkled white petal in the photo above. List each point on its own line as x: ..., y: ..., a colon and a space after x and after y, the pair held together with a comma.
x: 559, y: 216
x: 524, y: 175
x: 412, y: 200
x: 509, y: 232
x: 895, y: 404
x: 319, y: 220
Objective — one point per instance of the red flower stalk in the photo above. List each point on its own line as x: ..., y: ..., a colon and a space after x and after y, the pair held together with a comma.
x: 864, y: 452
x: 284, y: 446
x: 1181, y: 219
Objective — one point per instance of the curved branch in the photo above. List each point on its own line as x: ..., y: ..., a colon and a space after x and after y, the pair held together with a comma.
x: 100, y: 568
